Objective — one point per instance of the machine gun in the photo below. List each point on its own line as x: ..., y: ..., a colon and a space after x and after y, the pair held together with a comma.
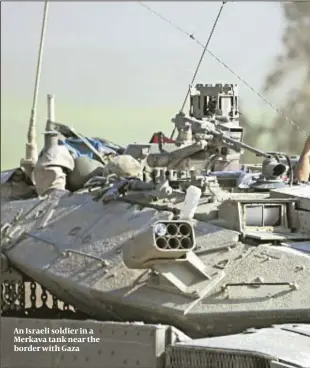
x: 218, y: 142
x: 209, y: 141
x: 208, y: 131
x: 209, y: 146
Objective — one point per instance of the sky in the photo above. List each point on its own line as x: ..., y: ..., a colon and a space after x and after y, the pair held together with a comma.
x: 121, y: 72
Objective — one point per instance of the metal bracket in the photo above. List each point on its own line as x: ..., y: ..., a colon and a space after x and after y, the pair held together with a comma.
x: 68, y: 252
x: 292, y: 285
x: 185, y: 276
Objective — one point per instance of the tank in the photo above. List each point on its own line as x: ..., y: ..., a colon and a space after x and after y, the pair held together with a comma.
x: 174, y: 247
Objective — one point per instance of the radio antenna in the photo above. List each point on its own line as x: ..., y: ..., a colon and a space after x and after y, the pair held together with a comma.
x: 31, y: 146
x: 200, y: 60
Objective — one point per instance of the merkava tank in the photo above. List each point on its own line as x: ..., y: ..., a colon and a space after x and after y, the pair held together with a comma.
x: 194, y: 260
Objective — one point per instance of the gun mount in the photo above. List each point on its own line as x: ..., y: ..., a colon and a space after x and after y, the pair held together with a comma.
x: 209, y: 145
x: 213, y: 105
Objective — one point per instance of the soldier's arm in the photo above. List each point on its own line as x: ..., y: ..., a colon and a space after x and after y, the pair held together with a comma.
x: 303, y: 168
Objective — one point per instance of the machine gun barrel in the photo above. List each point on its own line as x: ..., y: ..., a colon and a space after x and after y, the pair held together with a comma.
x: 244, y: 145
x: 215, y: 132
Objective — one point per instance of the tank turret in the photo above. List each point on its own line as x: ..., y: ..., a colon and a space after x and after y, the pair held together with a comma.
x: 166, y: 233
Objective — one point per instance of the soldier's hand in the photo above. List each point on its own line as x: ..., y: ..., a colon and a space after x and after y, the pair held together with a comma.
x: 307, y: 147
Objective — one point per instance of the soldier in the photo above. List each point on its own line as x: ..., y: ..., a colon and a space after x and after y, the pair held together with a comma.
x: 303, y: 168
x: 124, y: 166
x: 52, y: 166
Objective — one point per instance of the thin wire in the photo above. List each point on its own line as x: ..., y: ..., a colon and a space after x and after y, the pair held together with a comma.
x: 199, y: 62
x: 191, y: 36
x: 31, y: 135
x: 203, y: 53
x: 163, y: 18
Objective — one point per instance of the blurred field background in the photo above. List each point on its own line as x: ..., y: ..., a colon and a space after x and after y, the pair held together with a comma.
x: 119, y: 71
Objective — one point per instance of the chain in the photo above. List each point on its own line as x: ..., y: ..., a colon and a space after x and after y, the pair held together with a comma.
x: 5, y: 297
x: 43, y: 297
x: 33, y: 295
x: 17, y: 295
x: 2, y: 297
x: 13, y: 295
x: 21, y: 294
x: 55, y: 302
x: 203, y: 54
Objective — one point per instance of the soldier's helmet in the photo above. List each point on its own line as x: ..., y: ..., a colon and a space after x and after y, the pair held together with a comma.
x: 84, y: 169
x: 124, y: 166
